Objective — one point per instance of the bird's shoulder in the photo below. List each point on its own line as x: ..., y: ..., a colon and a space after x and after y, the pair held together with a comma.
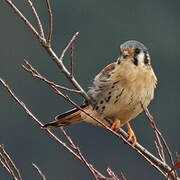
x: 105, y: 71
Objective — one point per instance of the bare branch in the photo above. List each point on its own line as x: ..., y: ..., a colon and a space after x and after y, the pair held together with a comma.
x: 31, y: 27
x: 67, y: 73
x: 159, y: 150
x: 48, y: 48
x: 32, y: 116
x: 50, y: 23
x: 123, y: 177
x: 94, y: 172
x: 79, y: 153
x: 157, y: 143
x: 36, y: 74
x: 155, y: 162
x: 8, y: 164
x: 151, y: 119
x: 87, y: 164
x: 71, y: 59
x: 68, y: 138
x: 37, y: 18
x: 39, y: 171
x: 64, y: 70
x: 68, y: 45
x: 112, y: 174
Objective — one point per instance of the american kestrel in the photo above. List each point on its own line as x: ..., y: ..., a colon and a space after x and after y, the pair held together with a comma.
x: 118, y: 91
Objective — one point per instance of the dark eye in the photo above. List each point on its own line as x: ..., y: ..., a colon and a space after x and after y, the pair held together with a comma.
x: 137, y: 50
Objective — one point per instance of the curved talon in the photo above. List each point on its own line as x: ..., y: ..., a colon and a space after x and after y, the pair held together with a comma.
x: 116, y: 124
x: 131, y: 135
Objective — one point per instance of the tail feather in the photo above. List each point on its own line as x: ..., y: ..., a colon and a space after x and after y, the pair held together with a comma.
x: 72, y: 116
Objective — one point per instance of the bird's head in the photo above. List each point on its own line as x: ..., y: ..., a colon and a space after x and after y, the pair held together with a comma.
x: 136, y: 53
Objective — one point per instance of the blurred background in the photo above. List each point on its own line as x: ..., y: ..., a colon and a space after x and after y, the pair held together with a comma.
x: 103, y: 26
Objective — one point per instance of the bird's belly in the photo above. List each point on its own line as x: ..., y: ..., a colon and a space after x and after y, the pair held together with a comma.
x: 127, y: 106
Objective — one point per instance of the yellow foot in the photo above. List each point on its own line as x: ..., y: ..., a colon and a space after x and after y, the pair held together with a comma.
x: 131, y: 134
x: 116, y: 124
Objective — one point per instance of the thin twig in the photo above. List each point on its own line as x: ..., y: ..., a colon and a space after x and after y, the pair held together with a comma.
x: 159, y: 151
x: 37, y: 18
x: 9, y: 163
x: 68, y: 45
x: 36, y: 74
x: 112, y: 174
x: 39, y: 171
x: 31, y: 27
x: 99, y: 175
x: 64, y: 70
x: 71, y: 60
x: 151, y: 119
x: 79, y: 152
x: 157, y: 143
x: 68, y: 138
x: 87, y: 164
x: 123, y: 177
x: 50, y: 23
x: 155, y: 162
x: 5, y: 164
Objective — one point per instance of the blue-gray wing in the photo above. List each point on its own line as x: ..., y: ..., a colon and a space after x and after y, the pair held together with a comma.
x: 102, y: 83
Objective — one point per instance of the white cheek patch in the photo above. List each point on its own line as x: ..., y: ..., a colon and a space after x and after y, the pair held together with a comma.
x: 140, y: 58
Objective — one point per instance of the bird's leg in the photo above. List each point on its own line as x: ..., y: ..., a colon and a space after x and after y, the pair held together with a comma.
x: 131, y: 134
x: 116, y: 124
